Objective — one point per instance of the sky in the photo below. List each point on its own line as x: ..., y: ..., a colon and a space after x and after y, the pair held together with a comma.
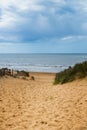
x: 43, y: 26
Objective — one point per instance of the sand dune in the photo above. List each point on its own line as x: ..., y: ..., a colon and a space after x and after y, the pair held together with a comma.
x: 40, y: 105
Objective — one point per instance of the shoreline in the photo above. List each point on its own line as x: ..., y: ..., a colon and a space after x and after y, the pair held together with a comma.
x: 12, y: 72
x: 41, y: 63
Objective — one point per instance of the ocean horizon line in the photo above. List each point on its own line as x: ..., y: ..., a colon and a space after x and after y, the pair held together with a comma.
x: 49, y: 53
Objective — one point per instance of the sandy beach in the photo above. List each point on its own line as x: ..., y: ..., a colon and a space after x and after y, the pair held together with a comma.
x: 27, y: 104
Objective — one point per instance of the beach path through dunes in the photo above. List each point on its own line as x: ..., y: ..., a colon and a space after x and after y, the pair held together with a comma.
x: 27, y: 104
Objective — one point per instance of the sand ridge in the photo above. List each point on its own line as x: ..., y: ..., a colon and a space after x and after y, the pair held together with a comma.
x: 40, y: 105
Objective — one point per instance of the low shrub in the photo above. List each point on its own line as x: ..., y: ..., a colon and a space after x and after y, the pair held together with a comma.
x: 72, y: 73
x: 32, y: 78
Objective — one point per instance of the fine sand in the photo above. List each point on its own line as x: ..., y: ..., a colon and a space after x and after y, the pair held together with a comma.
x: 27, y: 104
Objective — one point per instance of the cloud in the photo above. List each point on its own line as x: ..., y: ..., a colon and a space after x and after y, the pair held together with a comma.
x: 67, y: 38
x: 70, y: 38
x: 25, y: 20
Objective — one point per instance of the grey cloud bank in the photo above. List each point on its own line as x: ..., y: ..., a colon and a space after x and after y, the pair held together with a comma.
x: 38, y: 21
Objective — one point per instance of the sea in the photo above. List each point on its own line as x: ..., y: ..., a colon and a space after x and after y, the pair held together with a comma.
x: 40, y: 62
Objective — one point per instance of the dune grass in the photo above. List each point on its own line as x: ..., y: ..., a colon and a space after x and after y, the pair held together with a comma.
x: 77, y: 72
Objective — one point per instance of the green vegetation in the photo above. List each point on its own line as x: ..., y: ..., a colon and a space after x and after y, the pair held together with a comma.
x: 32, y: 78
x: 77, y: 72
